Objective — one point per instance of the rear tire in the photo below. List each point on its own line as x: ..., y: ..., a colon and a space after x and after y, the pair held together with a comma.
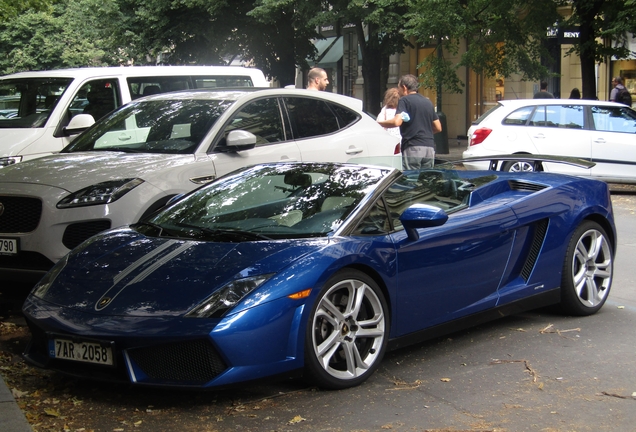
x: 347, y: 332
x: 517, y: 166
x: 587, y: 270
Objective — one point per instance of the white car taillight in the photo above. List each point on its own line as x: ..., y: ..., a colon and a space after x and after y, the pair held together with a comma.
x: 479, y: 136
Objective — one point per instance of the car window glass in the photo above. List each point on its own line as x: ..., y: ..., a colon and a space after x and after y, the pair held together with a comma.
x: 560, y: 116
x: 28, y: 102
x: 146, y: 86
x: 310, y: 117
x: 518, y: 117
x: 345, y: 115
x: 432, y: 187
x: 97, y: 98
x: 614, y: 119
x: 222, y: 81
x: 262, y: 118
x: 158, y: 126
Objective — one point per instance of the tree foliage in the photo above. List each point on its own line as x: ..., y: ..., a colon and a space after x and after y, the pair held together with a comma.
x: 501, y: 37
x: 70, y: 33
x: 604, y: 26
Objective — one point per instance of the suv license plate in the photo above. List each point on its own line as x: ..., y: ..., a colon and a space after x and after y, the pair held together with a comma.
x: 8, y: 246
x: 87, y: 352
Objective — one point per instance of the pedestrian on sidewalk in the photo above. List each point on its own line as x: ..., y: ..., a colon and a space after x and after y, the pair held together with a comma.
x: 418, y: 122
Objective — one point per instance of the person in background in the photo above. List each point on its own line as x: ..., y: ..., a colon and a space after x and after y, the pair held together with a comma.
x: 543, y: 93
x: 575, y: 94
x: 418, y: 122
x: 619, y: 93
x: 317, y: 79
x: 391, y: 98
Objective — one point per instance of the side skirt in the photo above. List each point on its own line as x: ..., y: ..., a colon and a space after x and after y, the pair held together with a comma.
x: 538, y: 301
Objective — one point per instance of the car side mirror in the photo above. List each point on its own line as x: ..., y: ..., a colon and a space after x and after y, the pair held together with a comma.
x: 421, y: 216
x: 79, y: 124
x: 238, y: 140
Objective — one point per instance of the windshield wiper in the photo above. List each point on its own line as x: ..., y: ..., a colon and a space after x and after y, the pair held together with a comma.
x: 248, y: 235
x: 157, y: 227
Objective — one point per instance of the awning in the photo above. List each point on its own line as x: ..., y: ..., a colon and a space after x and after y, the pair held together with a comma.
x: 329, y: 50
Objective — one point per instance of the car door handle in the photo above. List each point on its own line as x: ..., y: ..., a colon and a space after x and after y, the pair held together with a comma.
x: 288, y: 159
x: 123, y: 137
x: 600, y: 141
x: 538, y: 136
x: 354, y: 150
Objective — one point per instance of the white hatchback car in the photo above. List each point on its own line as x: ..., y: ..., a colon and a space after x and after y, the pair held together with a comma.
x: 600, y: 132
x: 135, y: 159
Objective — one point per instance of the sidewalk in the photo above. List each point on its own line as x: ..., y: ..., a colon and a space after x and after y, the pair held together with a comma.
x: 456, y: 147
x: 11, y: 417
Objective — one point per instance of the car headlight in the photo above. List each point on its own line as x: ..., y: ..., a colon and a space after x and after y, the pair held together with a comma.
x: 101, y: 193
x: 227, y: 297
x: 9, y: 160
x: 45, y: 283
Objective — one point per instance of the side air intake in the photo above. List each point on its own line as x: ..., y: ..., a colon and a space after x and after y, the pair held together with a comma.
x: 518, y: 185
x: 540, y: 230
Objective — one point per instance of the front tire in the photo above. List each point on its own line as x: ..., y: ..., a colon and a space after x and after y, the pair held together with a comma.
x: 587, y: 270
x: 347, y: 332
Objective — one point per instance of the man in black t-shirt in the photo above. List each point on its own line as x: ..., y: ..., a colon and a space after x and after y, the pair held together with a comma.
x: 418, y: 122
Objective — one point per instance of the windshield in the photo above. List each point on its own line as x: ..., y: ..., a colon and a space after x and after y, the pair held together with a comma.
x: 28, y: 102
x: 268, y: 202
x: 157, y: 126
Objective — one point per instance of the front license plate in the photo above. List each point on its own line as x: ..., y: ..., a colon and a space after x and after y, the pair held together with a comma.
x: 87, y: 352
x: 8, y: 246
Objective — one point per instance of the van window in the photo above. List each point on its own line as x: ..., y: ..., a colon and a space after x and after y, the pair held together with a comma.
x: 97, y: 98
x: 145, y: 86
x: 223, y: 81
x: 28, y: 102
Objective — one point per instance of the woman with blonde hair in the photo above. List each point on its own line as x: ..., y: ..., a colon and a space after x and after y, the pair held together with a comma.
x: 391, y: 97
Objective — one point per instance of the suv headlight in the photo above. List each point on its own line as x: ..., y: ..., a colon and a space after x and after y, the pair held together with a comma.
x: 9, y: 160
x: 227, y: 297
x: 101, y: 193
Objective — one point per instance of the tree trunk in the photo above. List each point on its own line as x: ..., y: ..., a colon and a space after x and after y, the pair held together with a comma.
x: 371, y: 70
x: 587, y: 10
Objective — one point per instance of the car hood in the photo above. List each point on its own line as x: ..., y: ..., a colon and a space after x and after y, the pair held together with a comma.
x: 13, y: 141
x: 73, y: 171
x: 125, y: 273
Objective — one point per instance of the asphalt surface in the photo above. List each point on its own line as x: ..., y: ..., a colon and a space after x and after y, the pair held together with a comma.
x: 536, y: 371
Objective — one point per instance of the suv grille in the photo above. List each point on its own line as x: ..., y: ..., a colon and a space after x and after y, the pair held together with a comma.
x: 19, y: 214
x: 192, y: 361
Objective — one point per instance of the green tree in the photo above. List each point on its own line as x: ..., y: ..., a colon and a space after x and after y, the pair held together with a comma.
x: 68, y: 34
x: 603, y: 27
x: 12, y: 8
x: 378, y: 25
x: 501, y: 37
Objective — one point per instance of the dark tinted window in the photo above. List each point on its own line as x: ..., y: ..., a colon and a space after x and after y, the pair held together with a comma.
x: 345, y: 115
x: 311, y: 117
x: 614, y: 119
x: 262, y: 118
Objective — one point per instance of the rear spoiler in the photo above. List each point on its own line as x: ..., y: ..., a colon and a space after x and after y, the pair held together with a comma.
x: 496, y: 161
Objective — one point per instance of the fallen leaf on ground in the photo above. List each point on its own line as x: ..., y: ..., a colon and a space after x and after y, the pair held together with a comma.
x: 296, y: 419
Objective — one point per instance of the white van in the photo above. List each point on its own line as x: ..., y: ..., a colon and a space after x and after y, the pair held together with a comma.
x: 36, y: 107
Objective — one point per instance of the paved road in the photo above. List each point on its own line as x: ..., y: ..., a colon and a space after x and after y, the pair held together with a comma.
x: 532, y: 372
